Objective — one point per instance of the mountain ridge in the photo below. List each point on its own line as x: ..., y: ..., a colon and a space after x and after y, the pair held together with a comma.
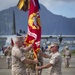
x: 52, y: 24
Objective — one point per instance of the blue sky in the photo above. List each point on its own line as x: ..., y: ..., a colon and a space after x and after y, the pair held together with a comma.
x: 60, y: 7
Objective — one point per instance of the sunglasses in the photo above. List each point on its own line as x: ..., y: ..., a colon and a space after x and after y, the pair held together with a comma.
x: 52, y: 46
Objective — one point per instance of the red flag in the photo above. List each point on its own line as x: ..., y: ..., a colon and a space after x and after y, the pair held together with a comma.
x: 34, y: 26
x: 12, y: 43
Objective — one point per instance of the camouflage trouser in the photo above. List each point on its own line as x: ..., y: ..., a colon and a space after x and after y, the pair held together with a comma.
x: 8, y: 61
x: 67, y: 61
x: 19, y: 72
x: 30, y: 71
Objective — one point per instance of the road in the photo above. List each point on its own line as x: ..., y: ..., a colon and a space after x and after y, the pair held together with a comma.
x: 65, y: 71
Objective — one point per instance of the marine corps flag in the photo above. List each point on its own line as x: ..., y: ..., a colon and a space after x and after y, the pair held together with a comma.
x: 23, y: 5
x: 34, y: 26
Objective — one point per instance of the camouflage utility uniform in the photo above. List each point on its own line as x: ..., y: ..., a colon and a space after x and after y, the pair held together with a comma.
x: 30, y: 68
x: 56, y: 60
x: 8, y: 56
x: 18, y: 67
x: 67, y: 55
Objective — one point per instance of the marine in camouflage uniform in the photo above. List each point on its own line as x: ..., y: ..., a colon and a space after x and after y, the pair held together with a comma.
x: 67, y: 56
x: 19, y: 60
x: 30, y: 68
x: 8, y: 56
x: 55, y: 61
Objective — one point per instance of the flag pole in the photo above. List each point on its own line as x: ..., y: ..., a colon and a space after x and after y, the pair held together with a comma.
x: 37, y: 73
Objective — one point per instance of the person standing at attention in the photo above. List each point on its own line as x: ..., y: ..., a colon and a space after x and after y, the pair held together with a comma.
x: 67, y: 56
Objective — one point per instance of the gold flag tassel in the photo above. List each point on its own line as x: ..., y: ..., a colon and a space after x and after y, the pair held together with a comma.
x: 23, y: 5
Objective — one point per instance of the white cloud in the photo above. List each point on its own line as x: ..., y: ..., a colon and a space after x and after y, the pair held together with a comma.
x: 65, y: 0
x: 54, y: 3
x: 4, y: 4
x: 49, y: 4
